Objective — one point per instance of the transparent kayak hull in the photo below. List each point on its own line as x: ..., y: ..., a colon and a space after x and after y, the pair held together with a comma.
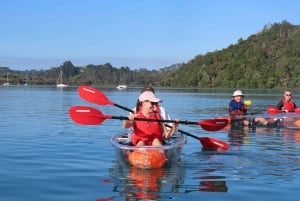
x: 148, y: 157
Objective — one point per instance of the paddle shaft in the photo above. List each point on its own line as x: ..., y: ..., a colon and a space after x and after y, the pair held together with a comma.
x: 181, y: 131
x: 124, y: 108
x: 95, y: 96
x: 153, y: 120
x: 186, y: 133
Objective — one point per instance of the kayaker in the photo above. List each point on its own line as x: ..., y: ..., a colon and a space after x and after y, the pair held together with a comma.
x: 287, y: 104
x: 148, y: 132
x: 159, y: 109
x: 238, y: 110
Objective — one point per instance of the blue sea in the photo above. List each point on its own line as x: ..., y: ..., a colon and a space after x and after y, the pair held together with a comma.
x: 45, y: 156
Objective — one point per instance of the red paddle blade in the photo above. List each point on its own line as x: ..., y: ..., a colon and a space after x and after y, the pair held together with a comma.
x: 87, y: 115
x: 273, y: 110
x: 93, y: 95
x: 213, y: 124
x: 213, y: 144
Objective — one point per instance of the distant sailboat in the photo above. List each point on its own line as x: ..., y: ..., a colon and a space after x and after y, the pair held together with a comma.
x: 59, y: 82
x: 6, y: 83
x: 26, y: 81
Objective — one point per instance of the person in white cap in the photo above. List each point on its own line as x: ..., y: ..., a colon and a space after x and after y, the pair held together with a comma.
x: 158, y: 108
x: 237, y: 109
x: 236, y: 105
x: 148, y: 132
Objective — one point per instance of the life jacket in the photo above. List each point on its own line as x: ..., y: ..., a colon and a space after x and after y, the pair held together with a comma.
x: 288, y: 105
x: 146, y: 131
x: 238, y: 109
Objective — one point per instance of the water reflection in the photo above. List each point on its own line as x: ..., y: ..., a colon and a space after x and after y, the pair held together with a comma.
x: 207, y: 184
x: 146, y: 184
x: 206, y: 168
x: 212, y: 184
x: 240, y: 135
x: 237, y: 134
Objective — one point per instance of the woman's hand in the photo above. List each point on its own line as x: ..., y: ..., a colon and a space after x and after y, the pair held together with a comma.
x: 130, y: 122
x: 176, y: 125
x: 170, y: 132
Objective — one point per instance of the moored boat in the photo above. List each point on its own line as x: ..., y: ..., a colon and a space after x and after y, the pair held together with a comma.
x: 121, y: 86
x: 148, y: 157
x: 59, y: 83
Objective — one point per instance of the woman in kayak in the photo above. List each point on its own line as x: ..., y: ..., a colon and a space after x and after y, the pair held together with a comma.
x: 238, y: 110
x: 158, y: 108
x: 148, y: 132
x: 286, y: 104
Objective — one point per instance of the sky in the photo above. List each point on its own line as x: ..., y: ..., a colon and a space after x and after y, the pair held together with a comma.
x: 151, y: 34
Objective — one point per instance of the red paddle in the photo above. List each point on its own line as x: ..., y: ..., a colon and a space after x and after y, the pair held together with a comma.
x: 273, y: 110
x: 297, y: 110
x: 96, y: 96
x: 91, y: 116
x: 209, y: 143
x: 86, y: 115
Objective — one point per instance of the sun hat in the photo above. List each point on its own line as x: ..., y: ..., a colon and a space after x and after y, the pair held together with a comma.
x: 149, y: 96
x: 237, y: 93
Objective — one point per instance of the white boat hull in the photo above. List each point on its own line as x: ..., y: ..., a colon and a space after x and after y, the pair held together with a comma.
x: 61, y: 85
x: 122, y: 87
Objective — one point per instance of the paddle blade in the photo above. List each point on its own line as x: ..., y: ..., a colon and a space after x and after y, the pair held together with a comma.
x: 297, y: 110
x: 93, y: 95
x: 273, y: 110
x: 211, y: 144
x: 213, y: 124
x: 248, y: 102
x: 86, y: 115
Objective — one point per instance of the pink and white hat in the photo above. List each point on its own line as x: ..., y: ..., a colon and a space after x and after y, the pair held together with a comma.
x: 149, y: 96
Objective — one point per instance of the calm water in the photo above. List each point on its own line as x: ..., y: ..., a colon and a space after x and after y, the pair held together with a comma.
x: 45, y: 156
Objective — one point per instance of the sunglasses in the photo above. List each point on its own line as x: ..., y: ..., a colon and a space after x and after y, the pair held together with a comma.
x: 152, y: 103
x: 288, y: 94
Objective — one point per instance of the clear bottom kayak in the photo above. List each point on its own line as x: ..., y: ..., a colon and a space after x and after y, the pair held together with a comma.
x: 148, y: 157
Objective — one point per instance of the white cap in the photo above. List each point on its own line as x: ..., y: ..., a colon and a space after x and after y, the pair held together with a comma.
x: 148, y: 96
x: 237, y: 93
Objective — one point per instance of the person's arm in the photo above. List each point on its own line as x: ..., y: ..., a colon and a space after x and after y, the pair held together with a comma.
x: 169, y: 132
x: 164, y: 115
x: 129, y: 123
x: 279, y: 105
x: 231, y: 109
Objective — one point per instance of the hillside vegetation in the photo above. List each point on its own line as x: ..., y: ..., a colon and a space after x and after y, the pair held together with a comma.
x: 268, y: 59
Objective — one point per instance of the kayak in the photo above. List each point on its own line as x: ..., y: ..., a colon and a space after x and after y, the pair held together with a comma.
x: 148, y: 157
x: 278, y: 121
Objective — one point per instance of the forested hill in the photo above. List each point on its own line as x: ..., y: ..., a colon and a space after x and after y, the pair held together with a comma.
x: 268, y: 59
